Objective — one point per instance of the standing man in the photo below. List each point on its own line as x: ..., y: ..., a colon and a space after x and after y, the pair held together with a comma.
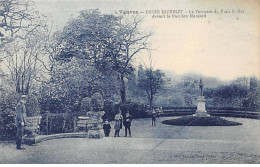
x: 127, y: 123
x: 154, y: 114
x: 20, y: 121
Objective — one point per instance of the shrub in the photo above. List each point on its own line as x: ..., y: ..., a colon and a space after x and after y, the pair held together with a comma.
x: 7, y: 124
x: 10, y: 100
x: 57, y: 123
x: 110, y: 110
x: 200, y: 121
x: 97, y: 102
x: 8, y: 103
x: 32, y: 106
x: 135, y: 109
x: 85, y: 105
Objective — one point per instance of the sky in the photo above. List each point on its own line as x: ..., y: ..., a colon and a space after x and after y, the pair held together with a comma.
x: 223, y: 45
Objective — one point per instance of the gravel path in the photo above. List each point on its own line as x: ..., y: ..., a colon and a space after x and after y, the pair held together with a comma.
x: 160, y: 144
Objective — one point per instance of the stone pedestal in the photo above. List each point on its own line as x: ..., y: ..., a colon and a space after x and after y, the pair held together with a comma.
x: 201, y: 111
x: 96, y: 134
x: 32, y: 126
x: 94, y: 124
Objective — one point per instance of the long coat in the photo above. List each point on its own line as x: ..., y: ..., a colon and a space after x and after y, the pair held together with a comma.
x: 20, y: 114
x: 118, y: 121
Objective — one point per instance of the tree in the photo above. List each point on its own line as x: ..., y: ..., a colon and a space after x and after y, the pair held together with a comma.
x: 252, y: 99
x: 88, y: 37
x: 23, y: 31
x: 107, y: 42
x: 151, y: 81
x: 18, y: 19
x: 130, y: 42
x: 72, y: 81
x: 23, y: 59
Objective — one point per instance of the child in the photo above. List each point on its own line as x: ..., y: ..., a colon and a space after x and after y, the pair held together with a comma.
x: 106, y: 128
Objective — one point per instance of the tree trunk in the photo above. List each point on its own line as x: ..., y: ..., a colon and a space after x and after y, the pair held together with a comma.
x: 122, y: 90
x: 151, y: 102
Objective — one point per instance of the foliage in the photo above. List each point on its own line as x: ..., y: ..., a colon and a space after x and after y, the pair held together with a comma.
x: 72, y: 81
x: 135, y: 109
x: 19, y: 18
x: 97, y: 102
x: 226, y: 96
x: 7, y: 115
x: 175, y: 100
x: 49, y: 103
x: 32, y: 106
x: 152, y: 82
x: 7, y: 124
x: 85, y: 105
x: 105, y: 42
x: 238, y: 93
x: 110, y: 110
x: 57, y: 123
x: 8, y: 103
x: 9, y: 100
x: 200, y: 121
x: 22, y: 43
x: 252, y: 100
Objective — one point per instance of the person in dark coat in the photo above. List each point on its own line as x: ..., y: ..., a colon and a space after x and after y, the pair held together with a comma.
x: 127, y: 123
x: 20, y: 121
x: 106, y: 128
x: 154, y: 115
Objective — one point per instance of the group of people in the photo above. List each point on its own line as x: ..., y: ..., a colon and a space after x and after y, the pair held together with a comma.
x: 119, y: 122
x: 126, y: 121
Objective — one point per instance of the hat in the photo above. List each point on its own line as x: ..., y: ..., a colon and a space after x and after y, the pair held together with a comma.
x: 23, y: 97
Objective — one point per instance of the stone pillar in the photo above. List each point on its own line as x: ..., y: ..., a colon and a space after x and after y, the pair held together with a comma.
x: 94, y: 124
x: 201, y: 109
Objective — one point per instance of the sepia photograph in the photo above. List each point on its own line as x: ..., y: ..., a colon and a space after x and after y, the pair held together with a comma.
x: 129, y: 82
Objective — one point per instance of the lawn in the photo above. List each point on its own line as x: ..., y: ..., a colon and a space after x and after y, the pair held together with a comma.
x: 200, y: 121
x: 150, y: 144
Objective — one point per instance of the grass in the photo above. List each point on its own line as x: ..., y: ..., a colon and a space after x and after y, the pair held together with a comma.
x: 200, y: 121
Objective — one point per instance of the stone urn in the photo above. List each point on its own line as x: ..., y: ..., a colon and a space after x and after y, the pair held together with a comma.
x: 94, y: 124
x: 93, y: 121
x: 82, y: 122
x: 32, y: 127
x: 83, y: 119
